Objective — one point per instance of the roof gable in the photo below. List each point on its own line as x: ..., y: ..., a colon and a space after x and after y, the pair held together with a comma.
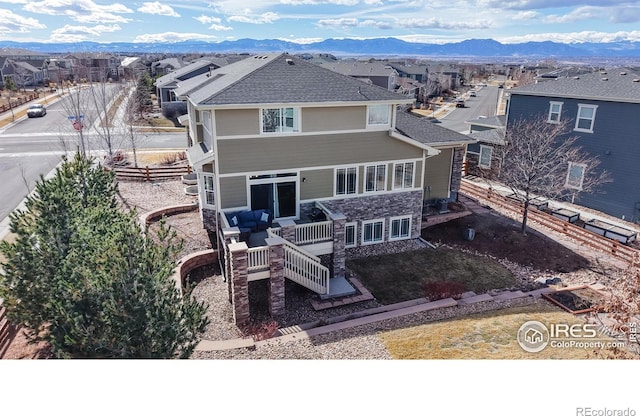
x: 279, y: 78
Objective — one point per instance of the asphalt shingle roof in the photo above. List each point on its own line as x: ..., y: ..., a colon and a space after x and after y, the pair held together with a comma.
x: 612, y: 85
x: 494, y: 136
x: 424, y: 131
x: 279, y: 78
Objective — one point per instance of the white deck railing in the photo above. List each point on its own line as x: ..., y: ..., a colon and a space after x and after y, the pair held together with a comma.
x: 257, y: 259
x: 304, y: 268
x: 314, y: 232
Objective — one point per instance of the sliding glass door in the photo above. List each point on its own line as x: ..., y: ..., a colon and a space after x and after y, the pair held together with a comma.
x: 277, y: 193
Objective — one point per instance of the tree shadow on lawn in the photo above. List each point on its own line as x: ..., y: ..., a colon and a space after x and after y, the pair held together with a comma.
x: 500, y: 237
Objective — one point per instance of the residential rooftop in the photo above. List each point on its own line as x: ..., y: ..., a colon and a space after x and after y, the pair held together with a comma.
x: 279, y: 79
x: 611, y: 85
x: 422, y: 130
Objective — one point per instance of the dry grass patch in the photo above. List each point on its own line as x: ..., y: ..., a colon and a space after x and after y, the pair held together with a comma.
x: 490, y: 335
x: 401, y: 276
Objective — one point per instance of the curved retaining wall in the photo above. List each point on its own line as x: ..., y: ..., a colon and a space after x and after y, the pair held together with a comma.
x: 168, y: 210
x: 191, y: 262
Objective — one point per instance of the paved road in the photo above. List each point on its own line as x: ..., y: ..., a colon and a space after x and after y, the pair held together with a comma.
x: 484, y: 104
x: 30, y: 148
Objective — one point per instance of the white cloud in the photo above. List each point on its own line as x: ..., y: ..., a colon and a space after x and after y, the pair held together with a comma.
x: 171, y: 37
x: 94, y: 31
x: 302, y: 41
x: 342, y: 22
x: 268, y: 17
x: 14, y: 23
x: 84, y: 11
x: 376, y: 24
x: 155, y: 7
x: 575, y: 37
x: 581, y: 13
x: 207, y: 19
x: 433, y: 23
x: 525, y: 15
x: 220, y: 28
x: 68, y: 38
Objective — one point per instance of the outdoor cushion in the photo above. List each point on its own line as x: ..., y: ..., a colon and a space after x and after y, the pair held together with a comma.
x: 264, y: 217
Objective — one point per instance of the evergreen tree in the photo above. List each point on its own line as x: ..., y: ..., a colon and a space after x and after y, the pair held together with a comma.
x: 82, y: 276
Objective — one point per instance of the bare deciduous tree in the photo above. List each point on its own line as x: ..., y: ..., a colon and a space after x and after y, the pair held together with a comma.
x: 542, y: 159
x: 619, y: 312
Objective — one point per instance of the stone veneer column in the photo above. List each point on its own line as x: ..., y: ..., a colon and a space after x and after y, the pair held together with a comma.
x: 456, y: 169
x: 239, y: 283
x: 288, y: 230
x: 228, y: 234
x: 339, y: 254
x: 276, y: 276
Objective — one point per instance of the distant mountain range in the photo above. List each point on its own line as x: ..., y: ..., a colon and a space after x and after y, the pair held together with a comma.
x: 341, y: 47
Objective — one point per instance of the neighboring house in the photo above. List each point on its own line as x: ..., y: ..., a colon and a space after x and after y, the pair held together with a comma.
x: 488, y: 132
x: 165, y: 66
x: 27, y: 68
x: 603, y: 109
x: 94, y: 66
x: 375, y: 72
x: 417, y: 73
x: 167, y: 83
x: 131, y: 67
x: 296, y: 161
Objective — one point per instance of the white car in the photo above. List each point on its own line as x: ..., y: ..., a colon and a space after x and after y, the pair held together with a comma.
x: 36, y: 110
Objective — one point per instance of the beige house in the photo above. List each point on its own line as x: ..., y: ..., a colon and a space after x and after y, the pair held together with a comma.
x: 299, y: 165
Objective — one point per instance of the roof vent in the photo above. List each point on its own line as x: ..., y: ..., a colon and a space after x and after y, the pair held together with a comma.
x: 290, y: 61
x: 576, y: 77
x: 623, y: 73
x: 605, y: 79
x: 636, y: 80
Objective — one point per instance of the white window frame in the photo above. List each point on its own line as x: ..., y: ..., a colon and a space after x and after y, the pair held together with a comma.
x: 335, y: 181
x: 281, y: 129
x: 484, y: 165
x: 570, y: 185
x: 372, y: 223
x: 554, y: 116
x: 400, y: 220
x: 353, y: 225
x: 376, y: 167
x: 404, y: 183
x: 592, y: 119
x: 206, y: 179
x: 378, y: 123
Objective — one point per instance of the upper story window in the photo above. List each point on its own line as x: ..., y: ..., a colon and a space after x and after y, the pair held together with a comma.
x: 586, y: 117
x: 378, y: 115
x: 575, y: 175
x: 278, y: 120
x: 346, y: 181
x: 484, y: 161
x: 375, y: 178
x: 555, y: 108
x: 403, y: 175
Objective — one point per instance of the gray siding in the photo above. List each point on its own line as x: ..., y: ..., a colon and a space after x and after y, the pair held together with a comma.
x: 436, y: 175
x: 233, y: 192
x: 315, y: 184
x: 615, y: 140
x: 333, y: 118
x: 277, y: 153
x: 237, y: 122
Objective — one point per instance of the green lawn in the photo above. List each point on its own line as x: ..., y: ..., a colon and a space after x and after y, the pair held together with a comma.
x: 400, y: 276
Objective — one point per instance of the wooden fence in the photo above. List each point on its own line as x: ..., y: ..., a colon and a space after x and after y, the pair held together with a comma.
x: 579, y: 234
x: 17, y: 102
x: 152, y: 173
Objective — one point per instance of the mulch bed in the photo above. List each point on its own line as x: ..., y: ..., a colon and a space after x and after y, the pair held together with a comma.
x: 500, y: 237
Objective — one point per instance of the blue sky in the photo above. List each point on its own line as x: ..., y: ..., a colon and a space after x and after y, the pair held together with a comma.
x: 304, y: 21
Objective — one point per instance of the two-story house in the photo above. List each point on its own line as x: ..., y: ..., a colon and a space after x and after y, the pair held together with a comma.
x: 299, y: 165
x: 603, y: 109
